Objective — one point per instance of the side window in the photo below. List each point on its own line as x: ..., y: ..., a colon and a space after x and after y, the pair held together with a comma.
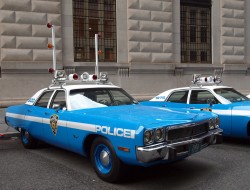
x: 119, y: 98
x: 44, y: 99
x: 178, y: 97
x: 202, y: 97
x: 58, y: 100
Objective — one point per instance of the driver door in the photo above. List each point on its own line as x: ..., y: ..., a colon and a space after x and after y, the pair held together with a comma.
x: 204, y: 99
x: 54, y: 120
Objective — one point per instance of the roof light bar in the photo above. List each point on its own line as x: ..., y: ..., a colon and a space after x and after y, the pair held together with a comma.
x: 210, y: 80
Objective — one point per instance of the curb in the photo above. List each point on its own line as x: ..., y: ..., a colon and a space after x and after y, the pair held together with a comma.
x: 9, y: 135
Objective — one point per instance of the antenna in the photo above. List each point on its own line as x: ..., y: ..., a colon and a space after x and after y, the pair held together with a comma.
x: 96, y: 56
x: 52, y: 46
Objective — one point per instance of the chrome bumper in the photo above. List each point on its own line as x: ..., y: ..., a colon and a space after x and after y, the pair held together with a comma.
x: 173, y: 151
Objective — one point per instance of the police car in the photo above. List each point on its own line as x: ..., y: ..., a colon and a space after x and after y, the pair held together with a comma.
x: 97, y: 119
x: 209, y: 94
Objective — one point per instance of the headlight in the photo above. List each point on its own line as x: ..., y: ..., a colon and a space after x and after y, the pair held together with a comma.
x: 217, y: 122
x: 148, y: 137
x: 159, y: 135
x: 211, y: 123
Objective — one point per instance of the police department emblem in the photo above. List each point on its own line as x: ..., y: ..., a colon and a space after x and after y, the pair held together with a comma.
x: 53, y: 123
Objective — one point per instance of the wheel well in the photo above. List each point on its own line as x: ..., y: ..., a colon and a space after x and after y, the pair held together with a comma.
x: 88, y: 142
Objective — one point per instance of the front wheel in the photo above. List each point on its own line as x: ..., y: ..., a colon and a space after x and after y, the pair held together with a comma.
x: 104, y: 160
x: 27, y: 140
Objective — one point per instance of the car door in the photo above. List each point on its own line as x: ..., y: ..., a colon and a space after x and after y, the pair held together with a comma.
x: 204, y: 99
x: 35, y: 114
x: 54, y: 120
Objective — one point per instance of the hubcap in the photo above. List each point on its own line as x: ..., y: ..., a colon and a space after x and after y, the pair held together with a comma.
x: 104, y: 158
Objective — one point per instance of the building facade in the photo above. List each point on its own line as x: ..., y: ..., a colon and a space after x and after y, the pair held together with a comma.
x: 146, y: 46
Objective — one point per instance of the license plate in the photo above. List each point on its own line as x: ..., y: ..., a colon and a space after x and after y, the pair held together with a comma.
x: 195, y: 147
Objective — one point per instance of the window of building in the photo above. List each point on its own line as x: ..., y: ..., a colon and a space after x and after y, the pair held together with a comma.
x: 196, y: 31
x: 92, y: 17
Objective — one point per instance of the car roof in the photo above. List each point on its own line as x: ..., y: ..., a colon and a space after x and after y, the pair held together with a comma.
x: 196, y: 87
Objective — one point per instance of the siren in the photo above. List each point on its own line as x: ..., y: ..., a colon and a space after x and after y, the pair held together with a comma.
x: 104, y: 76
x: 85, y: 76
x: 60, y: 75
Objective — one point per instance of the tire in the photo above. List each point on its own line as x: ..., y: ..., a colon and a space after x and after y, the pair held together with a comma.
x: 27, y: 140
x: 104, y: 160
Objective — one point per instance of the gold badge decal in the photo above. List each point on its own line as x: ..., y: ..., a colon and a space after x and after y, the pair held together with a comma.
x: 53, y: 123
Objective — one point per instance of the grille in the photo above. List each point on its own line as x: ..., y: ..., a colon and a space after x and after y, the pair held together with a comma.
x: 187, y: 132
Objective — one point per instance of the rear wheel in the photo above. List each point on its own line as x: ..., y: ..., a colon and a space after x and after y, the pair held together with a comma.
x: 27, y: 140
x: 104, y: 160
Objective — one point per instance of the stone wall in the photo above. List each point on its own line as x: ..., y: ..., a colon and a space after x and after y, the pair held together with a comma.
x: 233, y: 31
x: 24, y: 35
x: 150, y: 31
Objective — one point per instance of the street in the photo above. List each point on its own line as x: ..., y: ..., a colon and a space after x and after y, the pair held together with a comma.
x: 224, y: 166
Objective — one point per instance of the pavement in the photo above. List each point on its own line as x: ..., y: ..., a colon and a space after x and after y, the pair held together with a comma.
x: 6, y: 132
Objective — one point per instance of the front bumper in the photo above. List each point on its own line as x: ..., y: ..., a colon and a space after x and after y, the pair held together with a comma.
x: 173, y: 151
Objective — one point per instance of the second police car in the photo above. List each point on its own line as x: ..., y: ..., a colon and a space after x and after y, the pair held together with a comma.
x: 95, y: 118
x: 208, y: 93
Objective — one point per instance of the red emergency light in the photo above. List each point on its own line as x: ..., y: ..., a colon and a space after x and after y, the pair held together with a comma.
x: 50, y: 46
x: 51, y: 70
x: 49, y: 25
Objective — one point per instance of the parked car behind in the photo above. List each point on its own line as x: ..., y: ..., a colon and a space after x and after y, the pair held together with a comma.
x: 207, y: 93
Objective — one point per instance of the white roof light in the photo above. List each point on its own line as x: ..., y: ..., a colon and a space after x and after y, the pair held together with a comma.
x: 85, y: 76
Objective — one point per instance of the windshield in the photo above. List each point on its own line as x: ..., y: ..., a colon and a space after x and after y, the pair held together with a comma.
x: 99, y: 97
x: 230, y: 94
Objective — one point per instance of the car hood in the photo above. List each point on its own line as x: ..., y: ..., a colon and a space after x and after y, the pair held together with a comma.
x: 146, y: 115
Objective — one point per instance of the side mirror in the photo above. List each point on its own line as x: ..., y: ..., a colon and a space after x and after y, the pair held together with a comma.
x: 210, y: 102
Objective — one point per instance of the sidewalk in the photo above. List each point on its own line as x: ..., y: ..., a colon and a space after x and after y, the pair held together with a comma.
x: 5, y: 130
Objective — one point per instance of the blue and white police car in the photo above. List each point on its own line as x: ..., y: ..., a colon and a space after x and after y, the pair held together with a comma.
x: 208, y: 93
x: 97, y: 119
